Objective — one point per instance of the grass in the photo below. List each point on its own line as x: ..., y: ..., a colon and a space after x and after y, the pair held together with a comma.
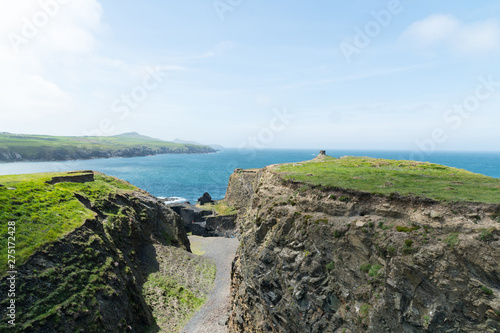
x: 486, y: 290
x: 407, y: 229
x: 452, y: 239
x: 421, y: 179
x: 42, y: 147
x: 485, y: 235
x: 42, y: 212
x: 221, y: 208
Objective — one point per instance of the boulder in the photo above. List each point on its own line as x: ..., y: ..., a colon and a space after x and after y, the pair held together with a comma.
x: 205, y: 199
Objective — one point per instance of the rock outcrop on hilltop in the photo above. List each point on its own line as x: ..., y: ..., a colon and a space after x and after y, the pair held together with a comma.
x: 316, y: 259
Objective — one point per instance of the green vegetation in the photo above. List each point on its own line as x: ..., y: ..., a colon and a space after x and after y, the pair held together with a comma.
x: 338, y: 234
x: 220, y: 208
x: 427, y: 320
x: 43, y: 212
x: 344, y: 198
x: 43, y: 147
x: 365, y: 308
x: 382, y: 226
x: 330, y: 266
x: 93, y: 265
x: 162, y: 292
x: 421, y: 179
x: 407, y: 246
x: 407, y: 229
x: 374, y: 270
x: 452, y: 239
x: 365, y: 267
x: 486, y: 235
x: 486, y: 290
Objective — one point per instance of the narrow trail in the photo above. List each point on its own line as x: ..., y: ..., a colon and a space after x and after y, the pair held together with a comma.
x: 212, y: 316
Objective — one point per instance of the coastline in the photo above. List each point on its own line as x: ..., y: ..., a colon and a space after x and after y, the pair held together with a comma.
x: 101, y: 158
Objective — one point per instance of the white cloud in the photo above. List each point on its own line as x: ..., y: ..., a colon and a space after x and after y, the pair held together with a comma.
x: 447, y: 31
x: 36, y: 35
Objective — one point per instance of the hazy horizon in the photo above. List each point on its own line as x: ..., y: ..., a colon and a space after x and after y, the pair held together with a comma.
x: 389, y: 75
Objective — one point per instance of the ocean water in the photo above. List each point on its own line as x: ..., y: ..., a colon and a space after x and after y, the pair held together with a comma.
x: 189, y: 176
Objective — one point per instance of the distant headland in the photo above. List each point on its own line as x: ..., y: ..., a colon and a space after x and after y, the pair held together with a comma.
x: 39, y: 148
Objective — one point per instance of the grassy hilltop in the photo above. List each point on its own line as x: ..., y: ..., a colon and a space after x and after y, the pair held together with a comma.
x: 20, y: 147
x: 382, y: 176
x: 44, y: 212
x: 96, y: 254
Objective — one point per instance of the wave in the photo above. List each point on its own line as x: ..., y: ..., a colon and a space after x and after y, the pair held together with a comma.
x: 172, y: 200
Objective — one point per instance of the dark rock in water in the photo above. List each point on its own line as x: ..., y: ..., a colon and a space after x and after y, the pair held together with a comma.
x: 205, y: 199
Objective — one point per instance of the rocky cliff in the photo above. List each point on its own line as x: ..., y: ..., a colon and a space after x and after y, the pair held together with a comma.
x: 66, y: 154
x: 324, y: 259
x: 126, y: 270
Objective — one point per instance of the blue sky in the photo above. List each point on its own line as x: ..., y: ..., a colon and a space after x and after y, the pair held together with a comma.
x: 413, y: 75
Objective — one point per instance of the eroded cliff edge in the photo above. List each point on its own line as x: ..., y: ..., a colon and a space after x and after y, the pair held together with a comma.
x: 322, y: 259
x: 128, y: 269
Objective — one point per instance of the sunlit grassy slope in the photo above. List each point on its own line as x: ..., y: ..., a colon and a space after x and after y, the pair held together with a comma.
x: 43, y: 212
x: 36, y: 147
x: 388, y: 176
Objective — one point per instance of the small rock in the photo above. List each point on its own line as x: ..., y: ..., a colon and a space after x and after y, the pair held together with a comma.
x: 435, y: 215
x: 224, y: 320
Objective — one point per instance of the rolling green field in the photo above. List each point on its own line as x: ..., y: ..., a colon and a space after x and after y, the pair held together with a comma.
x: 43, y: 212
x: 389, y: 176
x: 41, y: 147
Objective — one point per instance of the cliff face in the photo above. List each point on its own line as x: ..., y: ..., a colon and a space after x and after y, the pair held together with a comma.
x: 97, y: 278
x: 315, y: 259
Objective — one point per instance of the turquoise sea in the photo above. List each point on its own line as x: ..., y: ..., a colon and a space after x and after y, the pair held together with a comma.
x: 189, y: 176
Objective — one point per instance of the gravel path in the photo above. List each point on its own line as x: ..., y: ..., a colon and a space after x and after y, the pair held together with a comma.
x: 212, y: 316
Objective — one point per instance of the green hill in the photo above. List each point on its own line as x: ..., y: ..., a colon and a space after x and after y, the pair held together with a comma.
x: 95, y: 254
x: 20, y: 147
x: 382, y: 176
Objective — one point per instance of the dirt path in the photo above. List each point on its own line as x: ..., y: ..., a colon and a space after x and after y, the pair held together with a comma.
x: 212, y: 316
